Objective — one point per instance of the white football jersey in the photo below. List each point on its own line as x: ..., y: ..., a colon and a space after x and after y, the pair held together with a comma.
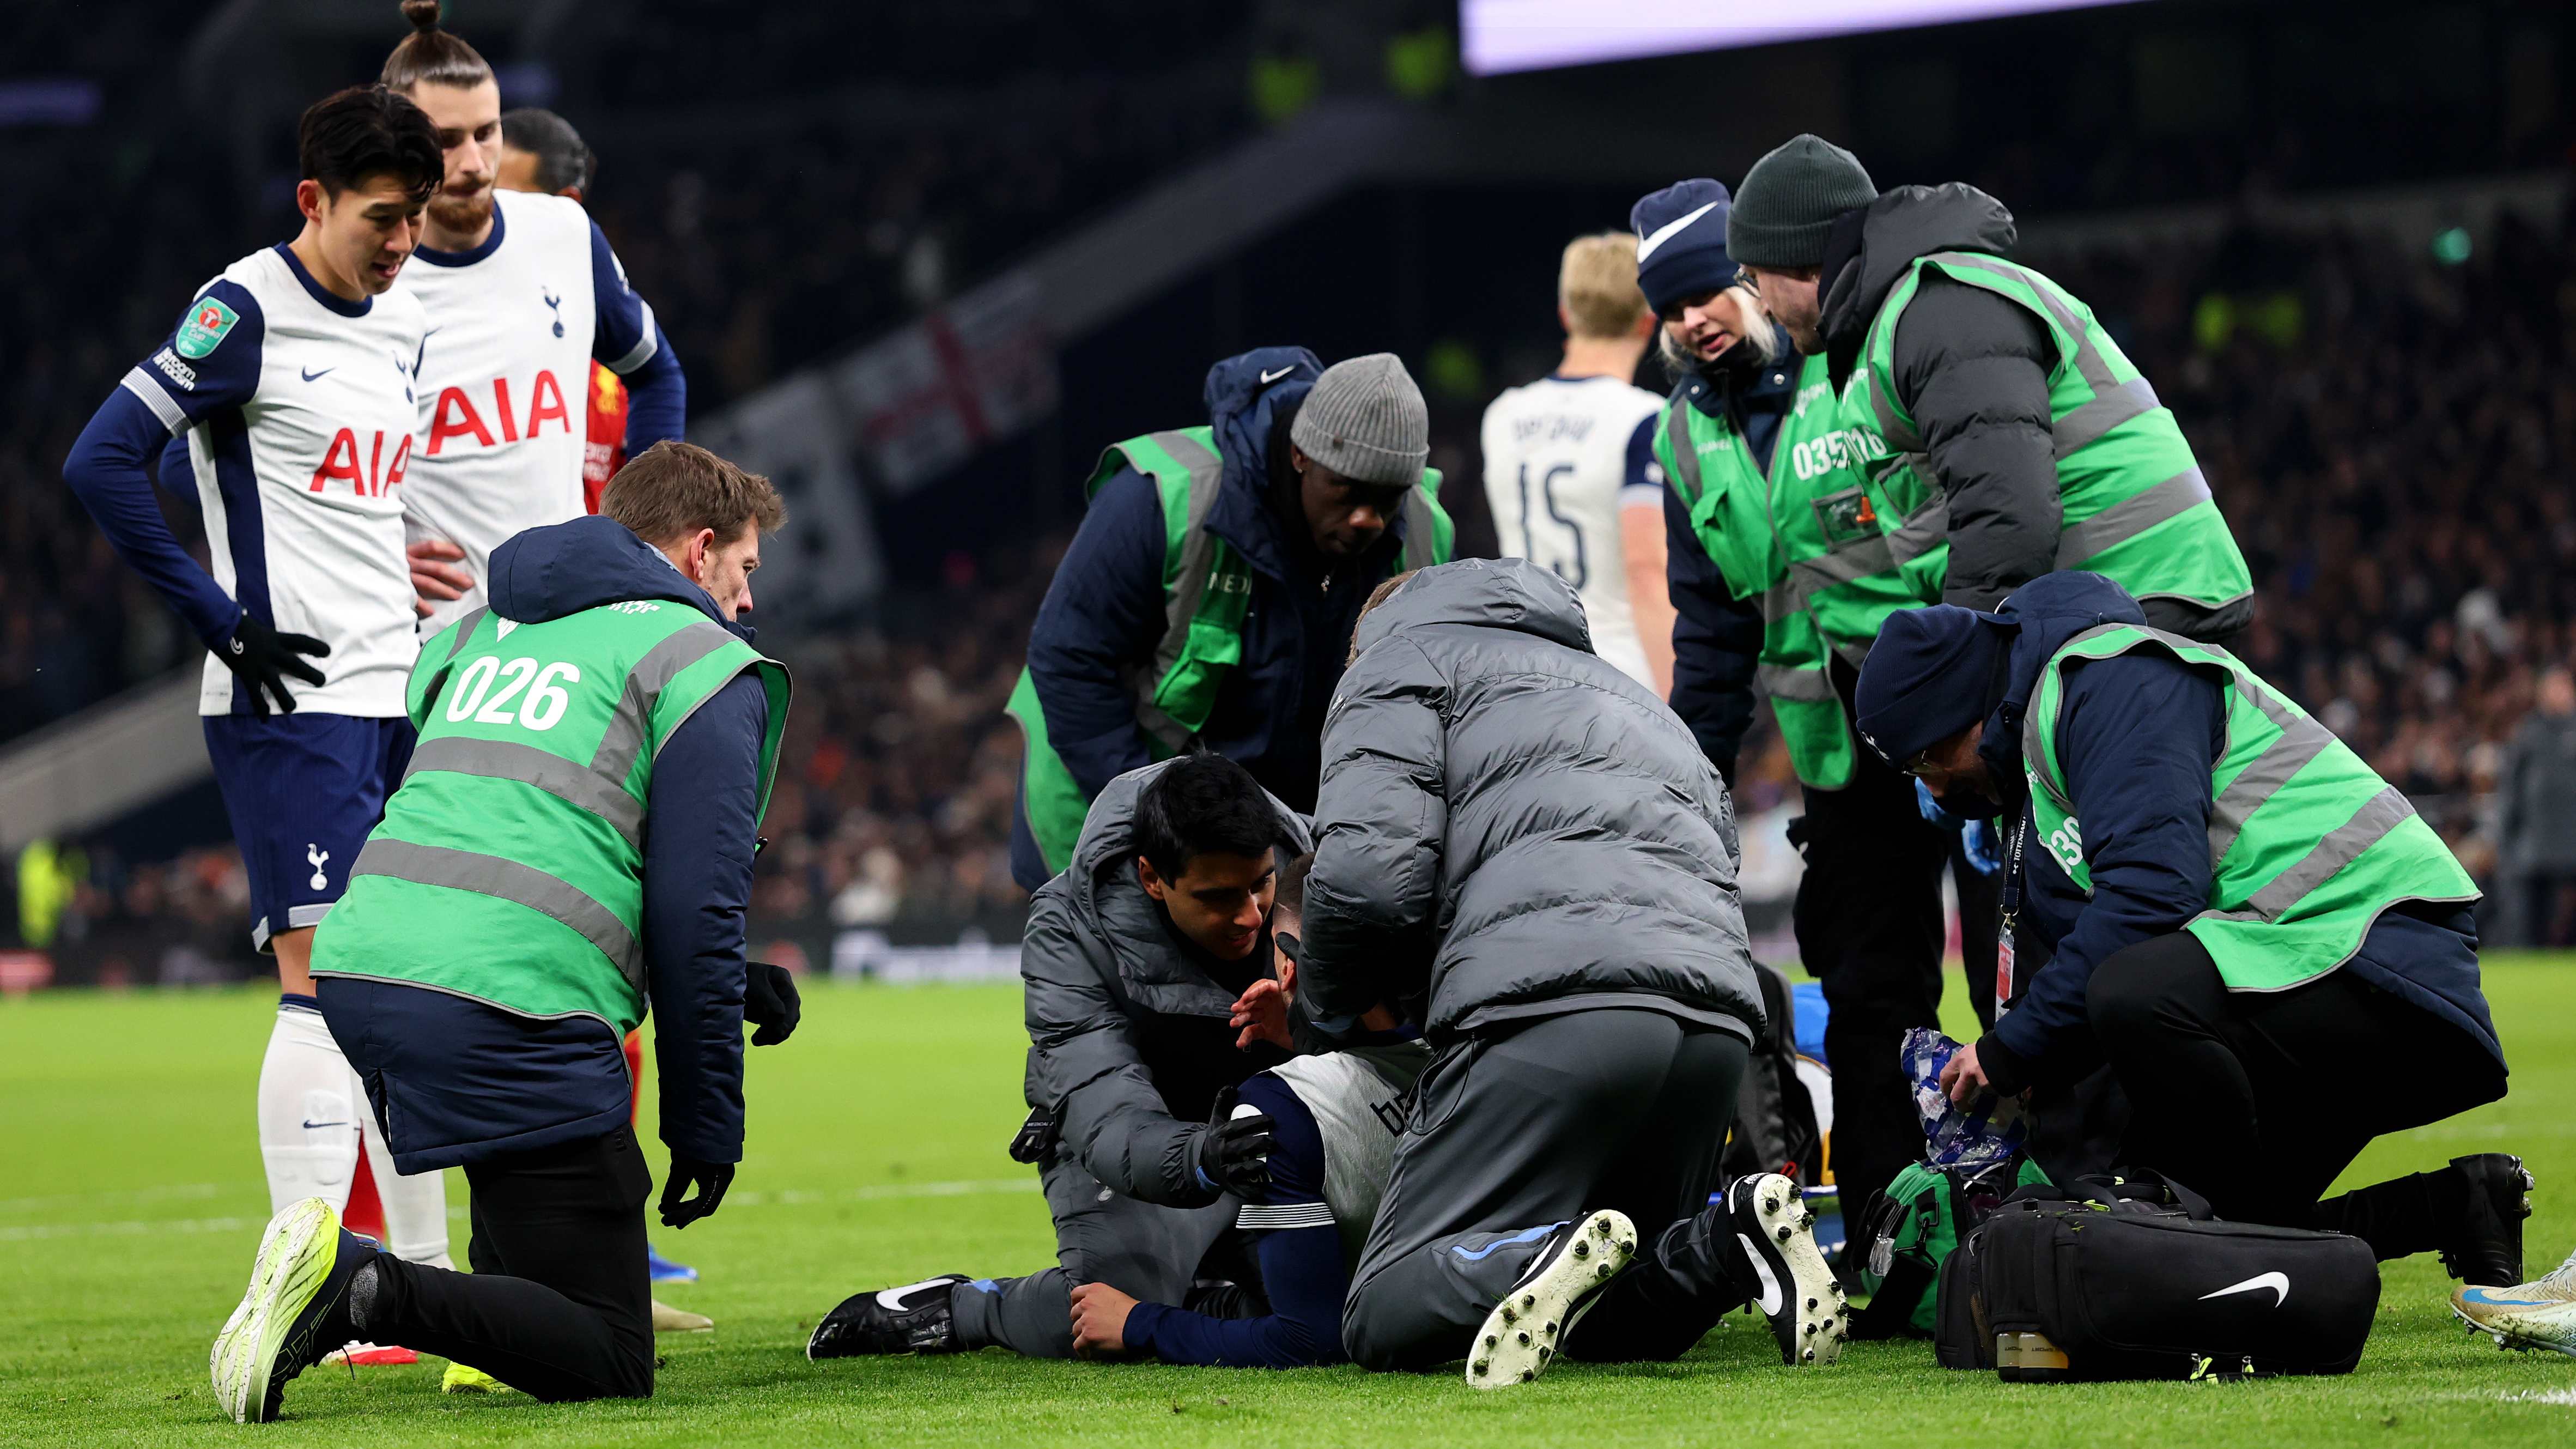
x: 505, y: 375
x: 298, y: 408
x: 1562, y: 457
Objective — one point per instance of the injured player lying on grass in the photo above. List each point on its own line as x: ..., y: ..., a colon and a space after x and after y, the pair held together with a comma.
x: 1335, y: 1119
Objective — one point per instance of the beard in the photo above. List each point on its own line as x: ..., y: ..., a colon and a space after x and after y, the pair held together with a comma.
x: 461, y: 213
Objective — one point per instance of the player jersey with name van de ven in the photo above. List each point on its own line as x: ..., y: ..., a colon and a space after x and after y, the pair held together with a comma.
x: 505, y: 374
x: 298, y: 409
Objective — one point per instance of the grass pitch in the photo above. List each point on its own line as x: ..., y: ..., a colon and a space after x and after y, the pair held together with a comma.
x: 134, y: 1198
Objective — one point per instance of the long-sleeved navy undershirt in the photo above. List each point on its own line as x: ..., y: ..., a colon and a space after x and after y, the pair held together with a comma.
x: 1303, y: 1272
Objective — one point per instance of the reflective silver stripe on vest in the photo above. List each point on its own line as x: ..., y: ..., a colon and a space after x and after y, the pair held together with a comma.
x: 1892, y: 426
x: 470, y: 621
x: 572, y: 783
x: 1806, y: 686
x: 623, y: 742
x: 1847, y: 563
x: 2302, y: 739
x: 2113, y: 402
x: 1925, y: 529
x: 2343, y: 845
x: 2131, y: 516
x: 2112, y: 405
x: 508, y: 880
x: 1198, y: 561
x: 1686, y: 476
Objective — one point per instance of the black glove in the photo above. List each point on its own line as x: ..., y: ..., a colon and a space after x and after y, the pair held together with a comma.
x: 711, y: 1180
x: 769, y: 1001
x: 261, y: 658
x: 1234, y: 1155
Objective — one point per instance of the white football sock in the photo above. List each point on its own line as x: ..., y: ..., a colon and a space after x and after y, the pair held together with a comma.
x: 308, y: 1112
x: 415, y: 1207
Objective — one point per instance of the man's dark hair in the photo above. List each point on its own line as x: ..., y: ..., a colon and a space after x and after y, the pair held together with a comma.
x: 563, y: 162
x: 369, y: 131
x: 1202, y: 805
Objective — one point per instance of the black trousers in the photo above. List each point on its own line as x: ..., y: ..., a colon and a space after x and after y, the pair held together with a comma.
x: 2258, y: 1100
x: 560, y: 1303
x: 1868, y: 922
x: 1517, y: 1129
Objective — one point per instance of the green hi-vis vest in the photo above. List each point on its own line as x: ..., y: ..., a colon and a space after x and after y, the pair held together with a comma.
x: 2135, y: 507
x: 510, y: 865
x: 1206, y: 589
x: 1834, y: 540
x: 2308, y: 845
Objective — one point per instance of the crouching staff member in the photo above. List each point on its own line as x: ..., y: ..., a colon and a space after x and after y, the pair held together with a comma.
x: 1207, y: 597
x: 1134, y: 959
x: 2270, y: 949
x: 1334, y: 1120
x: 1528, y: 843
x: 607, y: 723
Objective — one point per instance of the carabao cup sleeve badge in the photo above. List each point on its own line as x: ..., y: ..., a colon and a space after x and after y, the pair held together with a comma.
x: 209, y: 322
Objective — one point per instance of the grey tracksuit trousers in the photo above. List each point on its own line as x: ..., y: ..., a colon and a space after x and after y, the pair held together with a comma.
x: 1516, y: 1130
x: 1154, y: 1254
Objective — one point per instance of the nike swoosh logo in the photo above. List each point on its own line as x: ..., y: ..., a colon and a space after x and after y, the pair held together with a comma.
x: 1771, y: 1295
x: 1664, y: 233
x: 309, y: 376
x: 1268, y: 378
x: 2279, y: 1283
x: 891, y: 1299
x: 325, y: 1124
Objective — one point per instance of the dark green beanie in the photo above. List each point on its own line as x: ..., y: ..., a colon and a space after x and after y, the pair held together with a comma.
x: 1789, y: 201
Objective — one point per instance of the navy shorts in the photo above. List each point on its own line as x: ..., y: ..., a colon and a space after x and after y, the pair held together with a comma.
x: 303, y: 790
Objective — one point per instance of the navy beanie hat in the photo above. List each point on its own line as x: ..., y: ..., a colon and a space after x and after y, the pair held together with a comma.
x: 1681, y: 242
x: 1930, y: 675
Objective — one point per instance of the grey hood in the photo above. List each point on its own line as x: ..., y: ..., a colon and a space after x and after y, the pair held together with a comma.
x: 1510, y: 827
x: 1909, y: 222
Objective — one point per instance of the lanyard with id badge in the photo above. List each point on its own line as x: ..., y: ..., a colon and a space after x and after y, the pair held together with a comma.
x: 2012, y: 917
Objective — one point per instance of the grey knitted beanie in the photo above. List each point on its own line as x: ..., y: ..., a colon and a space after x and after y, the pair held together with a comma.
x: 1789, y: 201
x: 1365, y: 419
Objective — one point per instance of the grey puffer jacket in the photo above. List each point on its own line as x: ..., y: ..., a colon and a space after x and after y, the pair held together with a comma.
x: 1511, y: 828
x: 1127, y: 1030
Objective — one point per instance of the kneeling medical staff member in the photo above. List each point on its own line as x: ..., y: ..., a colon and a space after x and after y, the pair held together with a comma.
x: 2270, y: 949
x: 605, y: 721
x: 1527, y: 849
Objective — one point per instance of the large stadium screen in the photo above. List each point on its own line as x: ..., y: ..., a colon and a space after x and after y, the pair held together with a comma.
x: 1498, y: 36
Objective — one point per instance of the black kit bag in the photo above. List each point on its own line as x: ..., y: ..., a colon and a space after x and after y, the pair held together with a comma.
x: 2135, y: 1279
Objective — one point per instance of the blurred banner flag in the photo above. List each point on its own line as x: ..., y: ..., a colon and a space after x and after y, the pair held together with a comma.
x: 969, y: 374
x: 826, y: 558
x: 1497, y: 36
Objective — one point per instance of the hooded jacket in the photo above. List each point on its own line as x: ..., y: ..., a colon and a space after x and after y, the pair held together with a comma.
x: 455, y: 1081
x: 1511, y: 828
x: 2138, y: 737
x: 1128, y: 1038
x: 1972, y: 369
x: 1104, y: 612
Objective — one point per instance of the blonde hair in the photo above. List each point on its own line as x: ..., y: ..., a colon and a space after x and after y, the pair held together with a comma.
x: 1759, y: 333
x: 1596, y: 284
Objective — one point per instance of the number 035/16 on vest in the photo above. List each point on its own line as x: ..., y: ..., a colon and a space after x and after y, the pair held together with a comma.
x: 510, y: 867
